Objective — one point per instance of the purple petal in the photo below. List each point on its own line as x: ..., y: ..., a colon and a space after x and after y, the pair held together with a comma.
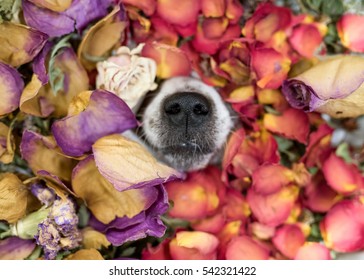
x: 146, y: 223
x: 15, y: 248
x: 77, y: 16
x: 11, y: 87
x: 39, y: 63
x: 105, y: 114
x: 301, y: 96
x: 52, y: 23
x: 85, y: 11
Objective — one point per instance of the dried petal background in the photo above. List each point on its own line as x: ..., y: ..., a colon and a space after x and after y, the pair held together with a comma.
x: 73, y: 75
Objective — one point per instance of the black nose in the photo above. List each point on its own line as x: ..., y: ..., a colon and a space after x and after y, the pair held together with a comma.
x: 187, y: 109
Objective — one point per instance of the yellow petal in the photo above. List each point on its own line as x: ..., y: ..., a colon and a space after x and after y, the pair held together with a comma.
x: 104, y: 201
x: 101, y: 38
x: 7, y: 144
x: 92, y: 239
x: 85, y: 254
x: 13, y: 198
x: 125, y: 163
x: 54, y: 5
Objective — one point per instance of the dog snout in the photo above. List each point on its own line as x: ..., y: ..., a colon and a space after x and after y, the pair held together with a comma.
x: 187, y: 110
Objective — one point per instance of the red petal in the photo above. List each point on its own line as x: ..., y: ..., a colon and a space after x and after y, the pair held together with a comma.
x: 234, y: 11
x: 342, y: 177
x: 343, y: 226
x: 212, y: 224
x: 246, y: 248
x: 351, y: 29
x: 268, y: 179
x: 287, y: 124
x: 318, y: 196
x: 147, y: 6
x: 163, y: 55
x: 305, y: 39
x: 163, y: 32
x: 273, y: 209
x: 236, y: 207
x: 213, y: 8
x: 160, y: 252
x: 178, y: 12
x: 313, y: 251
x: 288, y: 239
x: 270, y: 67
x: 214, y: 28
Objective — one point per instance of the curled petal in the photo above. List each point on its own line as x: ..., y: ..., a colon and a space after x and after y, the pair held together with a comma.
x: 245, y: 248
x: 15, y: 248
x: 194, y: 245
x: 200, y: 192
x: 102, y: 199
x: 11, y: 86
x: 270, y: 67
x: 342, y: 177
x: 273, y: 209
x: 76, y: 134
x: 13, y: 198
x: 19, y: 43
x: 343, y: 226
x: 268, y: 179
x: 181, y: 13
x: 104, y: 36
x: 127, y: 164
x: 313, y: 251
x: 7, y: 144
x: 287, y: 123
x: 288, y: 239
x: 41, y: 154
x: 147, y: 222
x: 40, y: 63
x: 163, y: 54
x: 338, y: 97
x: 349, y: 28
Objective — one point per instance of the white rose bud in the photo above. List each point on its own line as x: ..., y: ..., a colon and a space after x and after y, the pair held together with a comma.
x: 127, y: 75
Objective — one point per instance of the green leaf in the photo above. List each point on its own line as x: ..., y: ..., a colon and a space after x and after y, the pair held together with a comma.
x: 56, y: 76
x: 343, y: 151
x: 333, y: 8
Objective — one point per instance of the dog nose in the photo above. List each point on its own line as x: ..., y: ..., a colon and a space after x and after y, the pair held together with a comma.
x: 187, y: 109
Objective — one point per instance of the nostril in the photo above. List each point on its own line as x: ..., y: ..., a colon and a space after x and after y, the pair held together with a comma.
x: 200, y: 109
x: 172, y: 108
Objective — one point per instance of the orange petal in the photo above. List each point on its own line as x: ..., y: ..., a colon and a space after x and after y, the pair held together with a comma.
x: 163, y: 55
x: 181, y: 13
x: 287, y: 123
x: 288, y: 239
x: 194, y: 245
x: 343, y: 226
x: 236, y: 206
x: 245, y: 248
x: 159, y: 252
x: 212, y: 224
x: 313, y: 251
x: 273, y: 209
x: 350, y: 28
x: 234, y: 11
x: 147, y: 6
x: 342, y: 177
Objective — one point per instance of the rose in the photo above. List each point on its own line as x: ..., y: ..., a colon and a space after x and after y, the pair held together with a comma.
x: 128, y: 75
x: 334, y: 86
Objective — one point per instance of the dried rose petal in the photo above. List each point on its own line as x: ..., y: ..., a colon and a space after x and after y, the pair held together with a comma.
x: 15, y: 248
x: 288, y: 239
x: 313, y: 251
x: 350, y: 27
x: 181, y: 13
x: 245, y: 248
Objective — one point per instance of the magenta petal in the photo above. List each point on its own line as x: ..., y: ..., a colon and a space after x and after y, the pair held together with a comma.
x: 52, y: 23
x: 11, y: 87
x: 105, y: 114
x: 15, y: 248
x: 146, y: 223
